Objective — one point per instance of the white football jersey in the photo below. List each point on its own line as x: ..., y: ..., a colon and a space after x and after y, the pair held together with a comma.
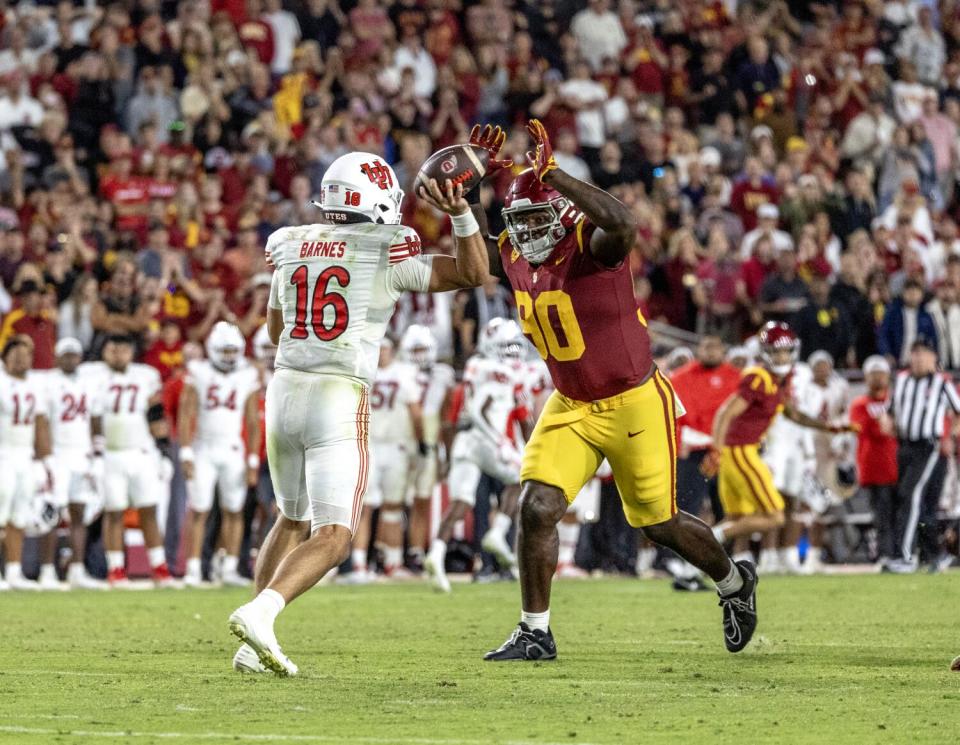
x: 126, y: 398
x: 394, y: 389
x: 21, y: 400
x: 73, y: 400
x: 493, y: 392
x: 337, y: 286
x: 221, y: 398
x: 786, y: 434
x: 434, y: 383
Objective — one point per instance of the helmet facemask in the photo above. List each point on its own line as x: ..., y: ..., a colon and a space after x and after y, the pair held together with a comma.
x: 226, y: 359
x: 535, y: 228
x: 780, y: 358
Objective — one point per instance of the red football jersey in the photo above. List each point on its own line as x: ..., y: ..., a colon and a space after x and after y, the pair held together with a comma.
x: 582, y: 317
x: 765, y: 396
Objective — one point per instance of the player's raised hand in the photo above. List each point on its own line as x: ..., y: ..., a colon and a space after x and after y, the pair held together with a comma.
x: 541, y: 158
x: 711, y: 463
x: 491, y: 139
x: 449, y: 199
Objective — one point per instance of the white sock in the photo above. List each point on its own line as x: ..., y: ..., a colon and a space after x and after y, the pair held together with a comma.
x: 358, y: 557
x: 230, y: 564
x: 790, y: 556
x: 569, y: 534
x: 501, y: 523
x: 718, y: 533
x: 732, y: 583
x: 193, y: 567
x: 439, y: 549
x: 536, y: 620
x: 47, y: 571
x: 392, y: 556
x: 157, y: 556
x: 645, y: 559
x: 14, y: 570
x: 270, y: 603
x: 114, y: 560
x: 75, y: 570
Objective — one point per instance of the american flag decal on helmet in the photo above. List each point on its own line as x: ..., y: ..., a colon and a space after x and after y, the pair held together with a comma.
x: 402, y: 251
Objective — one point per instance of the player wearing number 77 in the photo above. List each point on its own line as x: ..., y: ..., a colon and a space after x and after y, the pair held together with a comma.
x: 565, y: 251
x: 334, y: 289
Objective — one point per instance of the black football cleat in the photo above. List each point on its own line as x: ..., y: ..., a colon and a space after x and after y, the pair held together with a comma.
x: 525, y: 644
x: 740, y: 610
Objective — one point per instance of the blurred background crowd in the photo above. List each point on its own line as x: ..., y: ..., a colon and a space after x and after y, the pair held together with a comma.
x: 792, y: 161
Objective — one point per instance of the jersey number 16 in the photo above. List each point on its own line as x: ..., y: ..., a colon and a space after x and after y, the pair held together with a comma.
x: 322, y: 299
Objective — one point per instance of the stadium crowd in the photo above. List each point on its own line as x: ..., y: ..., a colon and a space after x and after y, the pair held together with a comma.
x: 792, y: 162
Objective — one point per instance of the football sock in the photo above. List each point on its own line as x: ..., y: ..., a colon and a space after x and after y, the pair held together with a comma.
x: 732, y: 583
x: 14, y: 570
x: 536, y: 620
x: 438, y: 549
x: 230, y: 564
x: 790, y: 557
x: 48, y: 572
x: 645, y: 559
x: 392, y: 556
x: 270, y: 603
x: 569, y: 534
x: 157, y: 556
x: 358, y: 558
x: 74, y: 570
x: 501, y: 523
x: 114, y: 560
x: 193, y: 567
x: 415, y: 553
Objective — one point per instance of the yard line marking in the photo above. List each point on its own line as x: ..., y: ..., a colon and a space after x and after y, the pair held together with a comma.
x: 263, y: 738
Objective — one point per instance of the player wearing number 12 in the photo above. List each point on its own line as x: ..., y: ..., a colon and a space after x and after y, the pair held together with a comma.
x: 565, y: 252
x: 333, y: 292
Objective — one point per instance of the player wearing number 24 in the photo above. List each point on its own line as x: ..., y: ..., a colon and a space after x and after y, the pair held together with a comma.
x: 565, y: 253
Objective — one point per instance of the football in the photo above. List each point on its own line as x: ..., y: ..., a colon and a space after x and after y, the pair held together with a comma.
x: 462, y: 164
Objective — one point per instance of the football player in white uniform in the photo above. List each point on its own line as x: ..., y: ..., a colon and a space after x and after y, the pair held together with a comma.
x: 333, y: 292
x: 24, y: 438
x: 218, y: 405
x: 265, y: 354
x: 136, y: 435
x: 396, y: 437
x: 76, y: 426
x: 494, y: 399
x: 436, y: 381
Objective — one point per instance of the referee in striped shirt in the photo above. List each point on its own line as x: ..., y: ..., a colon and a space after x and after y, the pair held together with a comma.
x: 921, y: 397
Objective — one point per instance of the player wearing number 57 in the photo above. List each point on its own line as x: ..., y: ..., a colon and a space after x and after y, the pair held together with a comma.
x: 334, y: 289
x: 565, y: 253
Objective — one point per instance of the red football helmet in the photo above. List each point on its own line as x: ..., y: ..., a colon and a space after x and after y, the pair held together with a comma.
x: 774, y: 337
x: 537, y: 217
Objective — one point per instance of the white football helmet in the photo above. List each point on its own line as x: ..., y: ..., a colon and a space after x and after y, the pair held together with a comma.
x: 505, y: 340
x: 361, y: 184
x: 419, y: 346
x: 225, y: 346
x: 41, y: 514
x: 263, y: 348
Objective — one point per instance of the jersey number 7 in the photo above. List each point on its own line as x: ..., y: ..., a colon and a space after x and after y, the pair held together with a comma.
x: 322, y: 299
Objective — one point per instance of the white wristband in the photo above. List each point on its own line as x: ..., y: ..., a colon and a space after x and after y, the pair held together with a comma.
x: 465, y: 224
x: 253, y: 461
x: 186, y: 454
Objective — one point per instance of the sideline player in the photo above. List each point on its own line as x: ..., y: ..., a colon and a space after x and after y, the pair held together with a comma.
x: 436, y: 380
x: 76, y: 428
x: 333, y: 291
x: 396, y: 436
x: 218, y: 405
x: 24, y: 438
x: 565, y: 251
x: 137, y: 436
x: 493, y: 400
x: 751, y: 502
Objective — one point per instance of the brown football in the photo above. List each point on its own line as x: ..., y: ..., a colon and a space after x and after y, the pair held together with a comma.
x: 462, y: 164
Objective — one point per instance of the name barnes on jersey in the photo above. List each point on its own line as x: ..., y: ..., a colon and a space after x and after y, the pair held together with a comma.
x: 328, y: 249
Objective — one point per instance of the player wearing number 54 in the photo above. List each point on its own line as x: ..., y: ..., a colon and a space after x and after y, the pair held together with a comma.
x: 565, y: 253
x: 334, y: 289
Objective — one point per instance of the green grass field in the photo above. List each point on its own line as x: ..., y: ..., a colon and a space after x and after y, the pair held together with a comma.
x: 852, y: 659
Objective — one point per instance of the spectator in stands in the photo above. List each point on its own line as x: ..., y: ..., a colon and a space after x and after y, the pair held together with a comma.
x: 923, y: 47
x: 848, y: 291
x: 945, y: 311
x: 904, y: 322
x: 34, y: 320
x: 783, y: 293
x: 877, y: 452
x: 823, y: 325
x: 767, y: 217
x: 869, y: 134
x: 120, y: 309
x: 598, y: 33
x: 73, y: 317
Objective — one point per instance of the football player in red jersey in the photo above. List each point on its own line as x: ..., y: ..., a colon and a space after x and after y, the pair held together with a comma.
x: 750, y: 500
x: 564, y: 252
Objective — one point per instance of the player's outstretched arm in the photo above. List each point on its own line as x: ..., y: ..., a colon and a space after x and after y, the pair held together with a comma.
x: 470, y: 267
x: 794, y: 415
x: 491, y: 139
x: 616, y: 232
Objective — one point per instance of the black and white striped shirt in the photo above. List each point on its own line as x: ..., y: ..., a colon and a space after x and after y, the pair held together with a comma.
x: 920, y: 404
